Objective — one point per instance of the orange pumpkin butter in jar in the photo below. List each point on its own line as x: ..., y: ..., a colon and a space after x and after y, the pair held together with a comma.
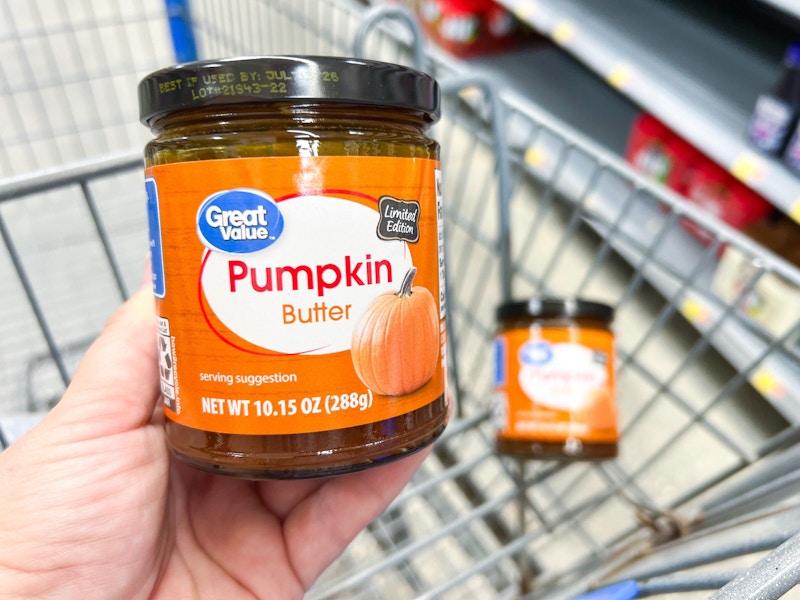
x: 296, y: 239
x: 554, y: 395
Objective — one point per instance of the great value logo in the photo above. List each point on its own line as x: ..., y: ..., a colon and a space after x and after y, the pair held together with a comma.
x: 239, y: 221
x: 535, y: 353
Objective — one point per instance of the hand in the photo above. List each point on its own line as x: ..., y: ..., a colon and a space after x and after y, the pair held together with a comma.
x: 93, y: 506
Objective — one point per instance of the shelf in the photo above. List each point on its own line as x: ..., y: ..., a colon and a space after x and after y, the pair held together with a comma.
x: 701, y: 82
x: 543, y: 85
x: 549, y: 77
x: 670, y: 270
x: 790, y: 7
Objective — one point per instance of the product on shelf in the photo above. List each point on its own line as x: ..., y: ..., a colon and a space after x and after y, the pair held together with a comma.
x: 780, y: 235
x: 722, y: 195
x: 655, y: 151
x: 771, y: 301
x: 792, y: 155
x: 469, y: 27
x: 659, y: 153
x: 775, y: 114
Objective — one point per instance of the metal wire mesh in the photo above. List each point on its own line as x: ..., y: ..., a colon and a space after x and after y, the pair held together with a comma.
x: 74, y: 240
x: 705, y: 394
x: 67, y: 79
x: 74, y: 246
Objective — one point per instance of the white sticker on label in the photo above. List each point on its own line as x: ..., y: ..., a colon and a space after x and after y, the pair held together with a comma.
x: 560, y: 376
x: 302, y: 294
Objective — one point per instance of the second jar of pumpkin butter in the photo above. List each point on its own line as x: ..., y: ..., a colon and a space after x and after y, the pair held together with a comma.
x: 296, y: 241
x: 554, y: 394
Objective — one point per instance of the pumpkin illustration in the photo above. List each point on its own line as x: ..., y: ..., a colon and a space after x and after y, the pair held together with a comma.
x: 598, y: 412
x: 395, y: 345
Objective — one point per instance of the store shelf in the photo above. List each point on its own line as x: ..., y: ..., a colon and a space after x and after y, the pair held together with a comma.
x: 544, y: 85
x: 776, y: 377
x: 790, y: 7
x: 551, y: 78
x: 701, y: 82
x: 677, y: 268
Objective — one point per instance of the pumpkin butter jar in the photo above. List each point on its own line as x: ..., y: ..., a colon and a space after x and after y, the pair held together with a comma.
x: 554, y: 395
x: 296, y: 237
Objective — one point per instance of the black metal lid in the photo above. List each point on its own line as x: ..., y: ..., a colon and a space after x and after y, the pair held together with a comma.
x: 261, y: 79
x: 551, y: 308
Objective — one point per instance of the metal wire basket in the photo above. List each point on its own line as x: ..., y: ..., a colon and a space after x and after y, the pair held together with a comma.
x: 707, y: 477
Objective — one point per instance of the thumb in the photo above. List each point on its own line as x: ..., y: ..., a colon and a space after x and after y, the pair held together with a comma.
x: 116, y: 385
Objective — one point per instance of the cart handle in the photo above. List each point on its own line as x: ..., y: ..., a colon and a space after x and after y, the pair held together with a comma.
x: 399, y: 13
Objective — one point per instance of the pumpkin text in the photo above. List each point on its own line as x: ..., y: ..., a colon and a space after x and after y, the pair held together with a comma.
x: 310, y: 277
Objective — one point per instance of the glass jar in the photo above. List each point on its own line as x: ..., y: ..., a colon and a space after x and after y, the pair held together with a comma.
x: 554, y: 395
x: 296, y: 237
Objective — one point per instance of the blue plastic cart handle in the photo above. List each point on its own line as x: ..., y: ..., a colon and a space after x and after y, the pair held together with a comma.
x: 180, y: 26
x: 627, y: 590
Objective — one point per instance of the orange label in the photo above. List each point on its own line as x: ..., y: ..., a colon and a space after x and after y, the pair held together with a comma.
x: 297, y: 294
x: 555, y: 384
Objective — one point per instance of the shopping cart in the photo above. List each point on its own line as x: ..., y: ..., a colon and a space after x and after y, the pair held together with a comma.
x: 706, y: 491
